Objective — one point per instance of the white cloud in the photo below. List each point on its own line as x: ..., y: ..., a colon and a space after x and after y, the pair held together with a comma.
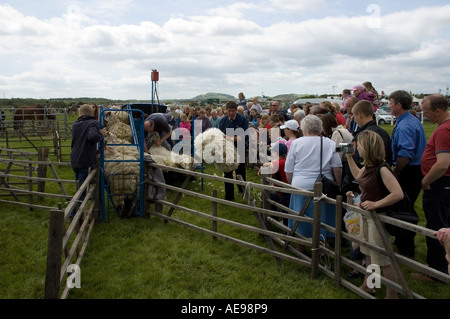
x: 221, y: 50
x: 299, y: 6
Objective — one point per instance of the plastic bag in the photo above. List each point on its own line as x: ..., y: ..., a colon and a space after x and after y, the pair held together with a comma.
x: 352, y: 220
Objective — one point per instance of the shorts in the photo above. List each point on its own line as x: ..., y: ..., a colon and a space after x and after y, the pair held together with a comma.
x: 370, y: 233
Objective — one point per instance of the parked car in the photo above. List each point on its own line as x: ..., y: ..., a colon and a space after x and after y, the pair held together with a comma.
x: 383, y: 117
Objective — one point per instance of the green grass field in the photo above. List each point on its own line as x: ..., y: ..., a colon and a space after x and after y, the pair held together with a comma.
x: 149, y: 259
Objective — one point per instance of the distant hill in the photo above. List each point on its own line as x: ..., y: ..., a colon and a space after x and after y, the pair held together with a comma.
x: 212, y: 95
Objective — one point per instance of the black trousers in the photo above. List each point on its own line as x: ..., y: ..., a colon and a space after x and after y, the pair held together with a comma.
x: 436, y: 205
x: 229, y: 187
x: 410, y: 180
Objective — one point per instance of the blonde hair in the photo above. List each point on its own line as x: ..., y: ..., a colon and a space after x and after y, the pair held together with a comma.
x: 264, y: 117
x: 87, y: 109
x: 371, y: 148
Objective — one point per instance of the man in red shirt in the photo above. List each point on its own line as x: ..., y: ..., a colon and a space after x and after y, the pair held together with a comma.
x: 435, y: 165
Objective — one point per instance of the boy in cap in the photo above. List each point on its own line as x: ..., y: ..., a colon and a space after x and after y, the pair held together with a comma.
x: 276, y: 168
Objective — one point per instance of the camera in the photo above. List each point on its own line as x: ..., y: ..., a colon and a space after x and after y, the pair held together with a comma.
x: 345, y: 148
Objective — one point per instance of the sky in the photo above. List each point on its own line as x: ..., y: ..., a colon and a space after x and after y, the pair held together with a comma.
x: 108, y: 49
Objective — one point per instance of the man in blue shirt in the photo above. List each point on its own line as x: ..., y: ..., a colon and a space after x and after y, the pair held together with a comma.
x: 408, y: 144
x: 234, y: 120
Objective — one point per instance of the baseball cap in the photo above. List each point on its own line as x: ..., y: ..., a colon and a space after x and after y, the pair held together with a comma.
x: 280, y: 148
x: 291, y: 124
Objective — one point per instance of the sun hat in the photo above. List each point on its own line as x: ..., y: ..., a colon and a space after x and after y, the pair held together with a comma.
x: 358, y: 87
x: 291, y: 124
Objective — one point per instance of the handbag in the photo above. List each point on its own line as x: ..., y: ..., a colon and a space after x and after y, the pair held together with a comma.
x: 329, y: 186
x: 401, y: 210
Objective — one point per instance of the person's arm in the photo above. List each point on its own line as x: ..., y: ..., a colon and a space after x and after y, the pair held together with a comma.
x: 337, y: 173
x: 437, y: 170
x: 164, y: 137
x: 401, y: 163
x: 353, y: 167
x: 442, y: 233
x: 289, y: 177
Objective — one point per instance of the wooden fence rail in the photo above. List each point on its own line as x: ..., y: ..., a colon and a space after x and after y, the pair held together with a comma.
x: 286, y: 240
x: 67, y: 237
x: 67, y: 246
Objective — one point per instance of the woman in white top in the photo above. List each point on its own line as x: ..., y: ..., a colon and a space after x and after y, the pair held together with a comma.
x: 303, y: 166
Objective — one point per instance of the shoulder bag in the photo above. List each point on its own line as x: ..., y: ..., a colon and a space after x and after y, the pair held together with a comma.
x: 329, y: 186
x: 401, y: 210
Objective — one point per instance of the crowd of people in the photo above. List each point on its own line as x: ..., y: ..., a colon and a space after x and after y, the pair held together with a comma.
x: 303, y: 136
x: 310, y: 130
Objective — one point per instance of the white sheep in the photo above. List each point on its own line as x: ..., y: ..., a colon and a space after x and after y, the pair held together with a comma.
x: 121, y: 176
x: 163, y: 156
x: 214, y: 148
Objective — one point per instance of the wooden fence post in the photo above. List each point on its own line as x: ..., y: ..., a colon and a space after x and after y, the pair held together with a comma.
x: 42, y: 170
x: 265, y: 195
x: 54, y: 253
x: 214, y: 213
x: 315, y: 248
x: 338, y: 242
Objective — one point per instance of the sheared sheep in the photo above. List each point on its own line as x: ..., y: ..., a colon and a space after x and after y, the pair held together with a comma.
x: 213, y: 147
x: 163, y: 156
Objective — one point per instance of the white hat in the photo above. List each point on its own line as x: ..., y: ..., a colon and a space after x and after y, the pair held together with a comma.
x: 291, y: 124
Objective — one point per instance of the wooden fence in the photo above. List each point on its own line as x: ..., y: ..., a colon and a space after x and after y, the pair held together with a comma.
x: 48, y: 133
x: 67, y: 245
x: 67, y: 237
x: 281, y: 241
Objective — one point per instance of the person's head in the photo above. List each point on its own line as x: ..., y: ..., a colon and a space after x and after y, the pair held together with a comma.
x: 435, y: 107
x: 399, y: 102
x: 87, y: 109
x: 299, y: 116
x: 187, y: 110
x: 213, y: 113
x: 149, y: 126
x: 252, y: 112
x: 358, y: 89
x: 240, y: 109
x: 329, y: 122
x: 274, y: 120
x: 280, y: 149
x: 291, y: 125
x: 265, y: 120
x: 371, y: 148
x: 328, y: 106
x: 201, y: 113
x: 349, y: 104
x: 311, y: 125
x: 255, y: 100
x: 275, y: 106
x: 317, y: 110
x: 219, y: 111
x: 241, y: 96
x: 231, y: 108
x: 362, y: 112
x: 183, y: 117
x: 346, y: 93
x: 368, y: 86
